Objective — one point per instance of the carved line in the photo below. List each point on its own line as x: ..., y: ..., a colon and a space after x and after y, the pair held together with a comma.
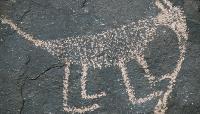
x: 130, y: 89
x: 65, y: 95
x: 83, y: 85
x: 171, y: 17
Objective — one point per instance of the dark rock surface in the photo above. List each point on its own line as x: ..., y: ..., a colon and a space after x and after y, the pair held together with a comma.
x: 31, y: 80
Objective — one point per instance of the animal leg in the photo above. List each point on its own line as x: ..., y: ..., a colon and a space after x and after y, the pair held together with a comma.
x: 141, y: 60
x: 83, y: 85
x: 66, y: 107
x: 130, y: 89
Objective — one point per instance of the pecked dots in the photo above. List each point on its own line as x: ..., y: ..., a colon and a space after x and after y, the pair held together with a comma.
x: 140, y: 84
x: 163, y: 52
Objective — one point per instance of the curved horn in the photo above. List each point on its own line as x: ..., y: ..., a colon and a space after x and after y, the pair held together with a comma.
x: 26, y: 36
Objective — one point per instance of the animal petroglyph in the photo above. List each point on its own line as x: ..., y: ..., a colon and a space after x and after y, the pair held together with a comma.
x: 117, y: 47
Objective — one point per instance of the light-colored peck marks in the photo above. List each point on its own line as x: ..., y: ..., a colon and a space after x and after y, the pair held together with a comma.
x: 123, y: 44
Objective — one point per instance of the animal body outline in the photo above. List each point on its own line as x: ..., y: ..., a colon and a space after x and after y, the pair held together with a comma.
x: 169, y: 16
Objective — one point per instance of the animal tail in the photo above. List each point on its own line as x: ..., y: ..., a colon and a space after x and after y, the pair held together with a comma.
x: 26, y: 36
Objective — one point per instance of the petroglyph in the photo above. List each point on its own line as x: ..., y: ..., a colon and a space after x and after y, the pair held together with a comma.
x: 117, y: 47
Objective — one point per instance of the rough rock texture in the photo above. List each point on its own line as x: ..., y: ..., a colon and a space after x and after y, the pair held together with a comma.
x: 31, y: 80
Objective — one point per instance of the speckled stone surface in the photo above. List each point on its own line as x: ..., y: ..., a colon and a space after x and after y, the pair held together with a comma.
x: 31, y: 80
